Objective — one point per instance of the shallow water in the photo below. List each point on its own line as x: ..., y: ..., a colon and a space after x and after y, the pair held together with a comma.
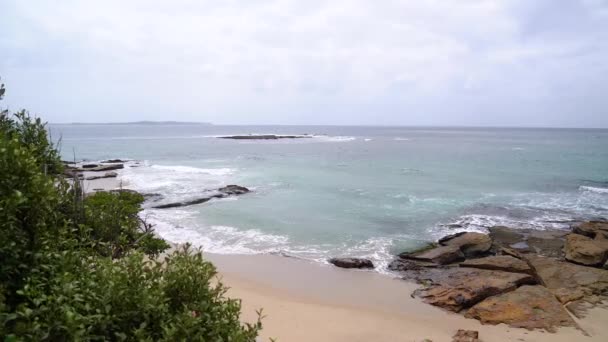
x: 357, y: 191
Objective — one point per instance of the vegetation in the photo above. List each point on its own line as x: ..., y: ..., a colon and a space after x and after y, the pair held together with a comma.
x: 85, y: 268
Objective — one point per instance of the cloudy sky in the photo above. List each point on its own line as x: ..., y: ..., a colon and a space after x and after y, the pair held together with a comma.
x: 381, y: 62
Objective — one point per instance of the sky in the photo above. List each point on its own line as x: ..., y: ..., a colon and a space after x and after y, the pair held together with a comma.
x: 541, y: 63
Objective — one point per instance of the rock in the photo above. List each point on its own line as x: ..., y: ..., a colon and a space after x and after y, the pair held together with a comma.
x: 402, y: 265
x: 439, y: 255
x: 591, y: 228
x: 546, y: 242
x: 264, y: 137
x: 352, y: 262
x: 455, y: 289
x: 466, y: 336
x: 111, y: 161
x: 471, y: 244
x: 426, y: 247
x: 505, y: 236
x: 108, y: 167
x: 72, y: 173
x: 89, y: 166
x: 584, y: 250
x: 504, y: 263
x: 230, y: 190
x: 511, y: 252
x: 529, y: 307
x: 569, y: 281
x: 234, y: 190
x: 106, y: 175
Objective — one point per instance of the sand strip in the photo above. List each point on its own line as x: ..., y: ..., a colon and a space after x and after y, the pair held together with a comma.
x: 310, y: 302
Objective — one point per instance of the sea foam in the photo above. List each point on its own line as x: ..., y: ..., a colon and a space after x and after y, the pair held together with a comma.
x: 594, y: 189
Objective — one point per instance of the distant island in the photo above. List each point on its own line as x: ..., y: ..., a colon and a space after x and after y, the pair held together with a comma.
x: 139, y: 123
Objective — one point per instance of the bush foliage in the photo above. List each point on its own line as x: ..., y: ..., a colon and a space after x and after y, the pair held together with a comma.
x: 84, y: 268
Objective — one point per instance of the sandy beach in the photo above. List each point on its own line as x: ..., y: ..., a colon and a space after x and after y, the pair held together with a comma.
x: 309, y: 302
x: 306, y: 301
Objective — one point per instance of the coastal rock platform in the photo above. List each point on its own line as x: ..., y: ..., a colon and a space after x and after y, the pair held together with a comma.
x: 523, y: 278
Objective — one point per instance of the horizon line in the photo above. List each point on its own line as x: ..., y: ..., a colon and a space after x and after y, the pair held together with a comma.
x: 174, y: 122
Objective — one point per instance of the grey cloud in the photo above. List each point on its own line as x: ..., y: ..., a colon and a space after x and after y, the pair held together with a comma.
x: 470, y: 62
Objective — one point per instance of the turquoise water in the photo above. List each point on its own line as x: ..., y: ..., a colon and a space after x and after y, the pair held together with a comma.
x: 356, y: 191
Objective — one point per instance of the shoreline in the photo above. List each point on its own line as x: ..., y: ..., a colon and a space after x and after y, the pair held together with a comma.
x: 305, y: 301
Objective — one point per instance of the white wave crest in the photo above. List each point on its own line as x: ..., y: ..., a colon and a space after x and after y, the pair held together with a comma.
x: 220, y: 239
x: 594, y: 189
x: 481, y: 223
x: 188, y: 169
x: 402, y: 139
x: 338, y: 138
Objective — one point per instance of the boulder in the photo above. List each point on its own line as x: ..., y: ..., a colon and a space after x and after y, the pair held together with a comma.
x: 455, y: 289
x: 466, y: 336
x: 106, y: 175
x: 89, y: 166
x: 425, y: 247
x: 234, y: 190
x: 569, y: 281
x: 584, y: 250
x: 439, y: 255
x: 499, y: 263
x: 352, y: 262
x: 108, y: 167
x: 591, y: 228
x: 529, y: 307
x: 471, y: 244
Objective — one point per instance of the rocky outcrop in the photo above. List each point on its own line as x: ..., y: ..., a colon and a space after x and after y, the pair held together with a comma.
x: 106, y: 175
x: 529, y: 307
x: 233, y: 190
x: 584, y: 250
x: 107, y: 167
x: 455, y: 289
x: 521, y: 280
x: 470, y: 243
x: 466, y: 336
x: 547, y: 242
x: 439, y: 255
x: 351, y: 262
x: 113, y: 161
x: 504, y: 263
x: 230, y: 190
x: 89, y: 166
x: 591, y: 229
x: 569, y: 281
x: 264, y: 137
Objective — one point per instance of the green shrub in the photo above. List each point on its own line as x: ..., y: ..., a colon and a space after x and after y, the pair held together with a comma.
x: 77, y: 268
x: 87, y: 297
x: 113, y: 225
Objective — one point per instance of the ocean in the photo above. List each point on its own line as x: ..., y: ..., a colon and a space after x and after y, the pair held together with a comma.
x: 352, y: 191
